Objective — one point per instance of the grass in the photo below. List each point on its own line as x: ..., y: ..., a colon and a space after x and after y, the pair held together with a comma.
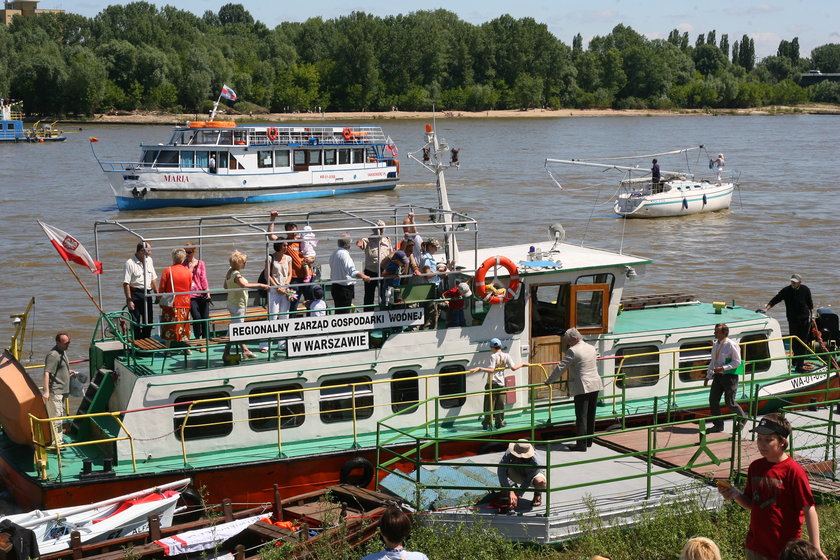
x: 656, y: 536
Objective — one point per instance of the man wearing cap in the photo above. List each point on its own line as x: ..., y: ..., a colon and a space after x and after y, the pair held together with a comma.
x: 521, y: 468
x: 777, y: 494
x: 429, y: 265
x: 343, y: 272
x: 455, y: 301
x: 799, y: 308
x: 140, y: 286
x: 377, y: 248
x: 584, y: 383
x: 725, y: 360
x: 494, y: 399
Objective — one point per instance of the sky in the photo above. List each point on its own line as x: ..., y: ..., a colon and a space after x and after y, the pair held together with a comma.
x: 767, y: 23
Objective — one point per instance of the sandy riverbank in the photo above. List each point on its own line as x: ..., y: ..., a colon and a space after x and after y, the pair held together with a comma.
x: 145, y: 117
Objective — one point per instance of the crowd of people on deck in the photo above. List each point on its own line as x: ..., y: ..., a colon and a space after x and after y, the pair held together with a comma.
x: 291, y: 283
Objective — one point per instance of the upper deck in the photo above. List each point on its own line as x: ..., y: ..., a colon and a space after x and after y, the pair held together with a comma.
x: 277, y: 135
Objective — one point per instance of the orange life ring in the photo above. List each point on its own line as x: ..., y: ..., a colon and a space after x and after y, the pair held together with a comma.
x: 219, y: 124
x: 347, y: 133
x: 272, y: 133
x: 488, y: 294
x: 196, y: 124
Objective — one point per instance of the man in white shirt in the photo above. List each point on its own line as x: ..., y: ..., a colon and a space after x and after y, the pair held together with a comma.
x: 726, y: 357
x: 343, y: 272
x: 140, y: 285
x: 494, y: 399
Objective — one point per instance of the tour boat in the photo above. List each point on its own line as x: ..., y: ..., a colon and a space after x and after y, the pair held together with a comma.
x: 208, y: 163
x: 12, y: 130
x: 677, y: 193
x: 311, y: 409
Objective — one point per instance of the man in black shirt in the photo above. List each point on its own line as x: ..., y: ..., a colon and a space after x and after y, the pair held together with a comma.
x: 799, y: 308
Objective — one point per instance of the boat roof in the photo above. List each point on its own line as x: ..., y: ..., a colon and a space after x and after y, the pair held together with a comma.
x: 691, y: 316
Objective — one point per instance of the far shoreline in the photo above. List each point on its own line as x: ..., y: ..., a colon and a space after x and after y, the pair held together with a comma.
x: 151, y: 117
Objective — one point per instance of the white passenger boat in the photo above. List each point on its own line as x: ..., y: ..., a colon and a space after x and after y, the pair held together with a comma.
x: 677, y: 193
x: 311, y: 409
x: 218, y: 162
x: 109, y: 519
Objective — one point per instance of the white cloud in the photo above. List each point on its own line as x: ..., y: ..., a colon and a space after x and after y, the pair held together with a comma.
x: 766, y: 43
x: 602, y: 15
x: 683, y: 27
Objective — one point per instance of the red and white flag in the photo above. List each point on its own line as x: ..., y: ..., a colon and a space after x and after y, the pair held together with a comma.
x: 228, y: 93
x: 70, y: 249
x: 391, y: 147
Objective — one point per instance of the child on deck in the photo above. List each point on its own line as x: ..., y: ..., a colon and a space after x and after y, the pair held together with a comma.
x: 777, y: 494
x: 455, y: 302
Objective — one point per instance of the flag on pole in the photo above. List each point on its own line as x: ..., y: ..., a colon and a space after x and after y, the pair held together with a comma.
x: 391, y: 147
x: 70, y: 249
x: 228, y: 93
x: 93, y: 139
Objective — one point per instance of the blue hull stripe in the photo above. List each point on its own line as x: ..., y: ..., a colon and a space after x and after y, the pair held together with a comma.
x: 129, y: 203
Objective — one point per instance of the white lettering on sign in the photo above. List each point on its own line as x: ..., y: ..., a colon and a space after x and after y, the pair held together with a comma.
x: 306, y: 326
x: 329, y: 344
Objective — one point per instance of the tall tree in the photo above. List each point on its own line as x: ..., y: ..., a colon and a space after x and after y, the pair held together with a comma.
x: 724, y: 45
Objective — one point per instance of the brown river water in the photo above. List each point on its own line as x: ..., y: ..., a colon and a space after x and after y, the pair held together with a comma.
x: 783, y: 217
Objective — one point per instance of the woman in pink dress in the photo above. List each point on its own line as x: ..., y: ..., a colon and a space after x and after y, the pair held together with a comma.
x: 199, y: 302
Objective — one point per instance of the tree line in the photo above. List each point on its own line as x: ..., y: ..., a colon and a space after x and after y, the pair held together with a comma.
x: 139, y: 56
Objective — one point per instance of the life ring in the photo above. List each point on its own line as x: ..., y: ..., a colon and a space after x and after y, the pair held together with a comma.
x: 347, y: 134
x: 488, y: 294
x: 219, y: 124
x: 347, y: 475
x: 196, y: 124
x: 272, y: 133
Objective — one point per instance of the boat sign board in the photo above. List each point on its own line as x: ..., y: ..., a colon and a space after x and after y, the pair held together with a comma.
x: 329, y: 344
x: 307, y: 326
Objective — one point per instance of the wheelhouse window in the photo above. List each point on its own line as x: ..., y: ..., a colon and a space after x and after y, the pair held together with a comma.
x: 167, y: 158
x: 286, y: 403
x: 603, y: 278
x: 149, y: 156
x: 694, y: 360
x: 405, y: 390
x: 343, y: 156
x: 329, y: 157
x: 187, y: 159
x: 755, y: 352
x: 549, y: 316
x: 265, y: 159
x: 589, y: 307
x: 515, y: 313
x: 281, y: 158
x: 637, y: 371
x: 240, y: 137
x: 226, y: 137
x: 339, y: 398
x: 452, y: 385
x: 202, y: 419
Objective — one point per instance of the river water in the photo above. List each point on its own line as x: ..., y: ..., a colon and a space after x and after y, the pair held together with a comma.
x: 782, y: 218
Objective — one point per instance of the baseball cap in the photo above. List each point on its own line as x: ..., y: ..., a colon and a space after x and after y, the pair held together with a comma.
x: 464, y: 290
x: 401, y: 256
x: 795, y: 278
x: 495, y: 343
x: 767, y: 427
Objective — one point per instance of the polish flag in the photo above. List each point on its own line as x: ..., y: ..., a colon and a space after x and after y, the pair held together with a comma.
x: 70, y: 249
x: 391, y: 147
x: 228, y: 93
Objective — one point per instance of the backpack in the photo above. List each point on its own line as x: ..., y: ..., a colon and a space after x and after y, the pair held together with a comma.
x: 263, y: 293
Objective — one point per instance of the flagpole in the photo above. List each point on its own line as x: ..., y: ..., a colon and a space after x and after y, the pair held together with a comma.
x: 82, y: 284
x: 215, y: 106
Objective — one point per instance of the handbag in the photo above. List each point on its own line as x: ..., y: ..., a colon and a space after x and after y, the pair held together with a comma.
x: 168, y: 300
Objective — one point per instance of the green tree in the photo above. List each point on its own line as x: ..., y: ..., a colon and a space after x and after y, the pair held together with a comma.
x: 708, y: 59
x: 84, y: 85
x: 724, y: 45
x: 528, y: 91
x: 235, y: 14
x: 826, y: 58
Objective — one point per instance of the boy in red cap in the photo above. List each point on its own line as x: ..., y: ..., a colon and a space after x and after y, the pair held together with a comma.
x: 777, y: 494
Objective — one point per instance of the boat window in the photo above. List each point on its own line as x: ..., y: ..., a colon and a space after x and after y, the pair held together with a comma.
x: 590, y: 303
x: 265, y: 159
x: 206, y: 419
x: 405, y: 390
x: 202, y: 159
x: 286, y: 403
x: 694, y: 360
x: 452, y: 385
x: 149, y: 156
x: 756, y: 354
x: 604, y: 278
x: 550, y: 313
x: 515, y: 314
x: 343, y: 156
x: 222, y: 160
x: 637, y: 371
x: 240, y: 137
x: 281, y: 158
x: 226, y: 137
x: 168, y: 158
x: 300, y: 157
x: 187, y: 159
x: 329, y: 157
x: 337, y: 402
x: 207, y: 137
x: 358, y: 155
x: 314, y: 157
